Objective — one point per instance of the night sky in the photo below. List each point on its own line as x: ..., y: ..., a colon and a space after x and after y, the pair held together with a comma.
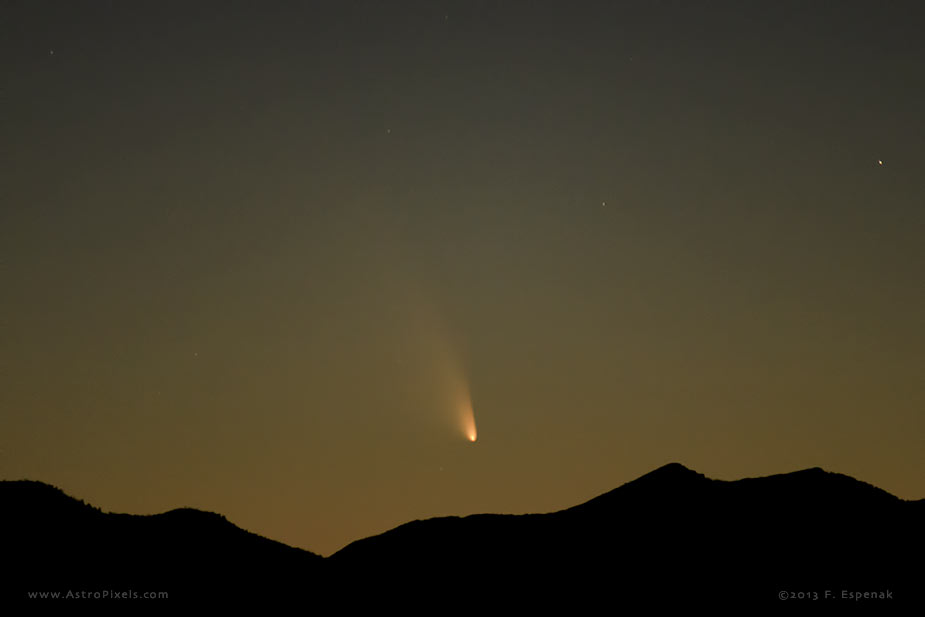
x: 256, y: 257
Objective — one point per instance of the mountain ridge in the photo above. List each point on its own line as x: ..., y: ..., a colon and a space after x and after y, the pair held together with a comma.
x: 671, y: 527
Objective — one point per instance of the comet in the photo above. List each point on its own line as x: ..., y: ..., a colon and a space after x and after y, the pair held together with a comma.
x: 471, y: 433
x: 467, y: 418
x: 446, y: 367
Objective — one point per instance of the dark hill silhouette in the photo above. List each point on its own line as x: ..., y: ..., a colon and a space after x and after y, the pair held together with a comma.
x: 671, y: 537
x: 54, y: 542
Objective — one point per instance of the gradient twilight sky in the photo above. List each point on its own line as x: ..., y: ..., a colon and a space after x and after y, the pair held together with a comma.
x: 256, y: 255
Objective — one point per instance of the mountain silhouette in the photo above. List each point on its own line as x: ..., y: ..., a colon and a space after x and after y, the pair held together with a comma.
x: 672, y: 537
x: 53, y: 542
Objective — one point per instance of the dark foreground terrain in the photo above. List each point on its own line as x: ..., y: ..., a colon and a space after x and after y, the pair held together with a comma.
x: 672, y: 537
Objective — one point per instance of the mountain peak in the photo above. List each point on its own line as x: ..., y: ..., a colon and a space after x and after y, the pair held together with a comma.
x: 672, y: 468
x: 668, y: 482
x: 812, y: 471
x: 669, y: 474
